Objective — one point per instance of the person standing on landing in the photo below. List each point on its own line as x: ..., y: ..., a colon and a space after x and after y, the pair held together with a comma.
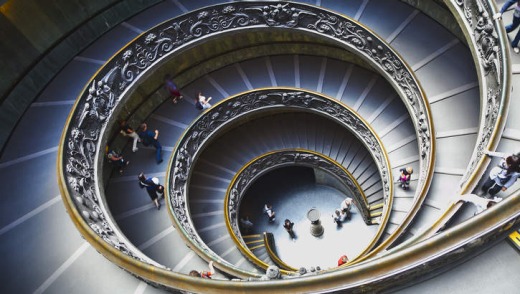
x: 514, y: 24
x: 345, y: 208
x: 339, y: 216
x: 288, y: 225
x: 271, y: 215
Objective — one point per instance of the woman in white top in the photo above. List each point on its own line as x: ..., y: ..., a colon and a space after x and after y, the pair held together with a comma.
x: 204, y: 102
x: 504, y: 175
x: 268, y: 209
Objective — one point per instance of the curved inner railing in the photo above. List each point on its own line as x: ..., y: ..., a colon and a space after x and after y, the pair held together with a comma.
x: 269, y: 245
x: 93, y: 110
x: 273, y: 160
x: 231, y: 111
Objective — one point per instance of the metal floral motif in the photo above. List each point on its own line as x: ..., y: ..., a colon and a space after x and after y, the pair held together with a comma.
x: 208, y: 125
x: 377, y: 52
x: 282, y: 15
x: 490, y: 53
x: 80, y: 152
x: 94, y: 108
x: 282, y: 158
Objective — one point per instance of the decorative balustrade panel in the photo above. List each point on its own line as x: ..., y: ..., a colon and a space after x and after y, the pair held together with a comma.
x: 489, y: 46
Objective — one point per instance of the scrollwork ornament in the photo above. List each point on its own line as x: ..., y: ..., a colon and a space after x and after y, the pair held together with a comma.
x: 484, y: 32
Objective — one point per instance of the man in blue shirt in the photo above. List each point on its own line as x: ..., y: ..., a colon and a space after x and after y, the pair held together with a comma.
x: 514, y: 24
x: 150, y: 138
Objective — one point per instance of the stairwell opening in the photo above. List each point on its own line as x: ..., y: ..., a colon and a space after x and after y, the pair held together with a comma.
x: 293, y: 191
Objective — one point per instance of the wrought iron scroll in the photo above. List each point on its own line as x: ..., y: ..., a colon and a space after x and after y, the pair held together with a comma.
x: 490, y: 48
x: 93, y: 110
x: 79, y: 153
x: 276, y: 159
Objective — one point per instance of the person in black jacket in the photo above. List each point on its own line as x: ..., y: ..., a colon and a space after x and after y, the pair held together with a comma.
x: 288, y: 225
x: 153, y: 187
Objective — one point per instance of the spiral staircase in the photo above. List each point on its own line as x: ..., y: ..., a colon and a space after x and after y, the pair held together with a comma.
x: 44, y: 252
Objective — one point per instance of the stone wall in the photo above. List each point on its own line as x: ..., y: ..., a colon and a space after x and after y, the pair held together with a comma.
x: 40, y: 37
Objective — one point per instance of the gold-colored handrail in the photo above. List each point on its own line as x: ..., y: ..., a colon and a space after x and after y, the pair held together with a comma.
x: 502, y: 83
x: 275, y: 257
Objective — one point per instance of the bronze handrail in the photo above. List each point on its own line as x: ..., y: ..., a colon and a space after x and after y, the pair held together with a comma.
x: 267, y: 240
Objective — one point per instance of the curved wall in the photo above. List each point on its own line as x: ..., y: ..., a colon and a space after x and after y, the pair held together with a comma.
x: 40, y: 37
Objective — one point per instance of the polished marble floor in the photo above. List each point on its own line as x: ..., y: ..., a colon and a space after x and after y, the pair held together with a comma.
x: 292, y: 193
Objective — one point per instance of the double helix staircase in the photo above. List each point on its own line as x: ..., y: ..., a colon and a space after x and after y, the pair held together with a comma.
x: 39, y: 241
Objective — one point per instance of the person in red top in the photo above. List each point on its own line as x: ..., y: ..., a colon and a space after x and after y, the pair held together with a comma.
x: 204, y: 274
x: 172, y: 88
x: 342, y: 260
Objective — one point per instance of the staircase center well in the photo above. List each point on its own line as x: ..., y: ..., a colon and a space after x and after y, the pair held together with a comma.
x: 293, y: 191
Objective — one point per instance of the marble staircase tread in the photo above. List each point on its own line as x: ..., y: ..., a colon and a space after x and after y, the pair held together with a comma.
x: 109, y: 43
x: 154, y: 15
x: 41, y: 139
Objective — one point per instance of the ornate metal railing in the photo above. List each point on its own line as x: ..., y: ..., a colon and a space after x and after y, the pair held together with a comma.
x: 489, y: 45
x: 230, y: 112
x: 84, y: 135
x: 273, y: 160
